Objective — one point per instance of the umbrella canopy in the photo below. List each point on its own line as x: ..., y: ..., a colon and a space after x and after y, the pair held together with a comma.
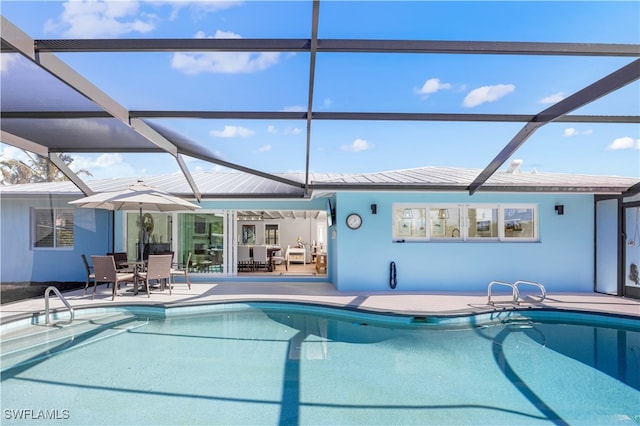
x: 136, y: 197
x: 139, y: 197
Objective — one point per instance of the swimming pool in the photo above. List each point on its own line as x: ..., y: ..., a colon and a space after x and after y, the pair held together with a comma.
x: 269, y: 363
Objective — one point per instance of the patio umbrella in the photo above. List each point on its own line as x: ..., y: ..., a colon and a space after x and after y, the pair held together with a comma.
x: 139, y: 197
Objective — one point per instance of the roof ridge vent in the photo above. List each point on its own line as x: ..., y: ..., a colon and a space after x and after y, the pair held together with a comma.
x: 514, y: 166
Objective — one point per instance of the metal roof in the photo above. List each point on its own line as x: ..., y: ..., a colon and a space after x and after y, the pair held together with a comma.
x: 235, y: 185
x: 49, y: 108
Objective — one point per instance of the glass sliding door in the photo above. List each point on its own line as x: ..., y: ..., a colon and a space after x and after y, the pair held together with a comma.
x: 631, y: 264
x: 156, y: 234
x: 202, y: 235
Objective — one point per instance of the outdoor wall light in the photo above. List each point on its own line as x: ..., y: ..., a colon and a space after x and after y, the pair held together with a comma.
x: 559, y: 208
x: 374, y: 208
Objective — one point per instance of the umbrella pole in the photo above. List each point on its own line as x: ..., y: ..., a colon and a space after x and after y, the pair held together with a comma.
x: 140, y: 237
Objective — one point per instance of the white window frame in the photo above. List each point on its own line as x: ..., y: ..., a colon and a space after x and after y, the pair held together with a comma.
x: 56, y: 213
x: 425, y: 209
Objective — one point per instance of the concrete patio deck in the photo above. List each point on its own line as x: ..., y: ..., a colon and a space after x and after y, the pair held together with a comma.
x: 394, y: 302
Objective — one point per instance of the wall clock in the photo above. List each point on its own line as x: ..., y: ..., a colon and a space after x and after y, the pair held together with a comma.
x: 354, y: 221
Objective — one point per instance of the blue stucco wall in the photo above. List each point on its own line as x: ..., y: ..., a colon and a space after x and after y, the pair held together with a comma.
x: 562, y: 260
x: 21, y: 263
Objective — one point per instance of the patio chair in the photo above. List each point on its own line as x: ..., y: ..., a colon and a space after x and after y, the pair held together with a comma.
x: 260, y: 258
x: 121, y: 260
x: 158, y: 268
x: 104, y: 269
x: 179, y: 269
x: 90, y: 274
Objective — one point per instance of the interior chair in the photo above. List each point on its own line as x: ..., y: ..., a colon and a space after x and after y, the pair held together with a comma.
x: 260, y: 258
x: 178, y: 269
x: 279, y: 259
x: 90, y: 274
x: 104, y: 270
x: 321, y: 262
x: 158, y: 268
x: 245, y: 262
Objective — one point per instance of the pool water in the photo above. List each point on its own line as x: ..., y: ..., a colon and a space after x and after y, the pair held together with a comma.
x: 266, y: 364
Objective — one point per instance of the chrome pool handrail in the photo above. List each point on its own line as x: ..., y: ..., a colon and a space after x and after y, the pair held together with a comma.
x: 540, y: 286
x: 513, y: 288
x: 46, y: 305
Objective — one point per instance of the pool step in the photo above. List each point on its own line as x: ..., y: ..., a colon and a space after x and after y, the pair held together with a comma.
x: 48, y: 341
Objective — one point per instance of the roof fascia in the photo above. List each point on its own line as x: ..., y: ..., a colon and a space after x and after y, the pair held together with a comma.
x: 605, y: 85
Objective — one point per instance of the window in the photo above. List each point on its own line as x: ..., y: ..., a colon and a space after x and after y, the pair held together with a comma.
x: 440, y: 222
x: 271, y: 235
x: 483, y: 222
x: 445, y: 222
x: 52, y: 228
x: 519, y: 223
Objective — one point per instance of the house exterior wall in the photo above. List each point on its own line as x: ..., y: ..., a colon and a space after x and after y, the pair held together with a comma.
x: 20, y: 263
x: 562, y: 260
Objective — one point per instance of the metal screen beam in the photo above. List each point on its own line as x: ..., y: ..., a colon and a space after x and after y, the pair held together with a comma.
x: 338, y: 45
x: 70, y: 174
x: 312, y: 73
x: 605, y: 85
x: 348, y: 116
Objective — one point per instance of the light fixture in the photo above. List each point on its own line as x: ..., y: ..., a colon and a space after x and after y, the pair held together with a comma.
x: 374, y: 208
x: 559, y: 208
x: 407, y: 214
x: 443, y: 214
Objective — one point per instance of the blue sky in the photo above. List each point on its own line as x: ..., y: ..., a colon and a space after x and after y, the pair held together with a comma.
x: 355, y: 82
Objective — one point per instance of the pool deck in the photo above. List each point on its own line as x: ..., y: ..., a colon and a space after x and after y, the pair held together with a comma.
x: 390, y: 302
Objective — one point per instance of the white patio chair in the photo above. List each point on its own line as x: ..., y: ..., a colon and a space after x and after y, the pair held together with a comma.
x: 104, y: 270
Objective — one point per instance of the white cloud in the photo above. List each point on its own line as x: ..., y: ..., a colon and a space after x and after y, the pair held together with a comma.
x: 233, y: 132
x: 223, y: 62
x: 625, y: 142
x: 356, y: 146
x: 6, y: 61
x: 552, y: 99
x: 487, y: 94
x: 94, y: 19
x: 433, y: 85
x: 199, y: 7
x: 8, y: 152
x: 570, y: 131
x: 327, y: 102
x: 294, y: 108
x: 287, y: 131
x: 264, y: 148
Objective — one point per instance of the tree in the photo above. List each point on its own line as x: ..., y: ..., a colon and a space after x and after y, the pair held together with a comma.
x: 35, y: 169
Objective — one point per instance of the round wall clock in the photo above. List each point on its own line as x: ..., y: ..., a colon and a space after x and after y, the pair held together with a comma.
x: 354, y: 221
